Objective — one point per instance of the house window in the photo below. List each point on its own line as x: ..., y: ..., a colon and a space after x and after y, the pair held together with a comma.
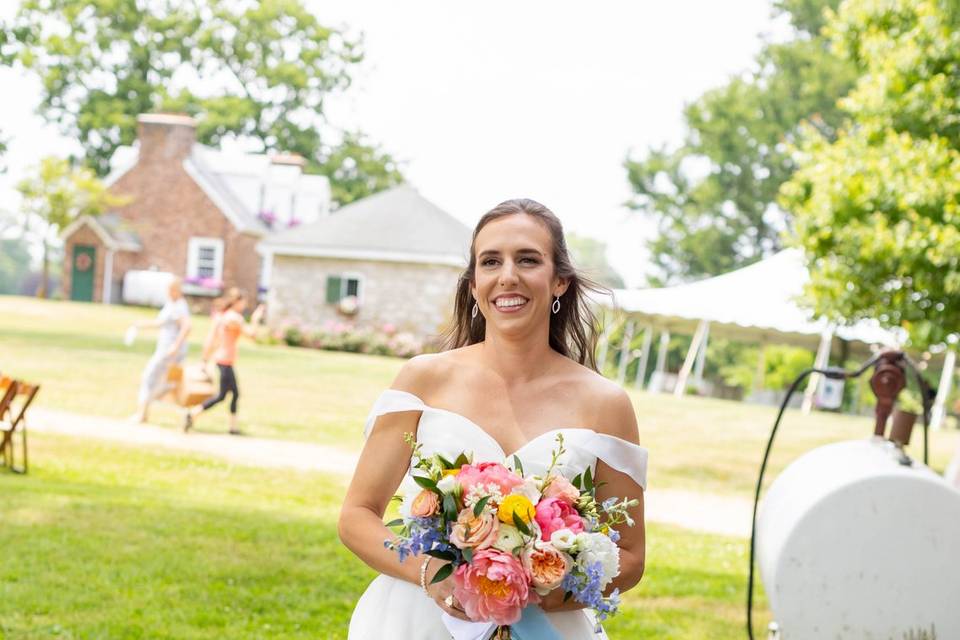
x: 342, y: 285
x: 205, y: 261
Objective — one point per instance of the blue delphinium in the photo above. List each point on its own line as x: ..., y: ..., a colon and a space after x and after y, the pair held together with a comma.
x: 585, y: 587
x: 423, y: 534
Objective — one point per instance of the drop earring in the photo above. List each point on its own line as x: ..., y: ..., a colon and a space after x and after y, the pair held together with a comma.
x: 556, y: 305
x: 476, y: 310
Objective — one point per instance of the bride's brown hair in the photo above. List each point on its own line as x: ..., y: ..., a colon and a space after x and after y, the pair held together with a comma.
x: 573, y: 330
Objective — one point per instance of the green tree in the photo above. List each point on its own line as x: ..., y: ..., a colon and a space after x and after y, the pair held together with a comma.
x: 714, y: 197
x: 877, y: 208
x: 250, y: 69
x: 590, y: 255
x: 14, y: 264
x: 357, y: 169
x: 56, y: 195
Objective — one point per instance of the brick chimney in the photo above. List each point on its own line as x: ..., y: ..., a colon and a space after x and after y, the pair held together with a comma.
x: 165, y: 136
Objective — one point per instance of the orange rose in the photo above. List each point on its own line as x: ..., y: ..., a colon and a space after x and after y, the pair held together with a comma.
x: 426, y: 504
x: 547, y: 566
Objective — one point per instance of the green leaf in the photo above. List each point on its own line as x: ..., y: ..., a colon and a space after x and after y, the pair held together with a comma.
x: 588, y: 480
x: 461, y: 460
x: 443, y: 573
x: 517, y: 465
x: 567, y: 595
x: 521, y: 525
x: 395, y: 523
x: 426, y: 483
x: 577, y: 481
x: 449, y: 507
x: 446, y: 463
x: 468, y: 554
x: 441, y: 555
x: 481, y: 503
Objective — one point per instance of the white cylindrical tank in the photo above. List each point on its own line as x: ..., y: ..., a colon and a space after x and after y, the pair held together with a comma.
x: 853, y: 545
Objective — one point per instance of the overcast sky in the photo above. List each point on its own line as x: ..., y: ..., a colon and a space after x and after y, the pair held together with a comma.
x: 493, y: 100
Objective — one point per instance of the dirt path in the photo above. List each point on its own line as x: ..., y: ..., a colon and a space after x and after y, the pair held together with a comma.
x: 702, y: 512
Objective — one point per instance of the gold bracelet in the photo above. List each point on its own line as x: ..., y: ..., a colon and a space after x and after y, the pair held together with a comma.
x: 423, y: 573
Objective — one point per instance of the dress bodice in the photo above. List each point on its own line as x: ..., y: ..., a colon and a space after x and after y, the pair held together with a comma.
x: 449, y: 434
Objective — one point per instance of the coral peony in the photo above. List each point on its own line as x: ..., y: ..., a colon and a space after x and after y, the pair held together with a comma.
x: 475, y: 532
x: 494, y: 587
x: 560, y: 487
x: 486, y: 474
x: 554, y: 514
x: 426, y: 504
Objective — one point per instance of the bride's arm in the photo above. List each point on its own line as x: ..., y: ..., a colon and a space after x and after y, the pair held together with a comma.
x: 382, y: 465
x: 617, y: 419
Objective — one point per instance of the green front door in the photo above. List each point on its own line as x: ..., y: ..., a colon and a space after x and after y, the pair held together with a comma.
x: 81, y: 278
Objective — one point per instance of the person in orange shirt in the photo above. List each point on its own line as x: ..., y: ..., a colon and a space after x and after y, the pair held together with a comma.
x: 229, y: 326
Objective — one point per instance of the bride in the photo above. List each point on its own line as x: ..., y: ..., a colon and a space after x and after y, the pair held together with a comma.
x: 519, y: 370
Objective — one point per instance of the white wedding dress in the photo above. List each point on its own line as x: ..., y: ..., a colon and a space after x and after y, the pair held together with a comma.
x: 398, y: 610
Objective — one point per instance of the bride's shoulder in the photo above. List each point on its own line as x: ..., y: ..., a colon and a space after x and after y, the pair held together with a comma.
x: 608, y: 402
x: 421, y: 374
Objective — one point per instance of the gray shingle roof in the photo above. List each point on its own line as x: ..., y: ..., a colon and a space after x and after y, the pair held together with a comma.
x: 398, y: 222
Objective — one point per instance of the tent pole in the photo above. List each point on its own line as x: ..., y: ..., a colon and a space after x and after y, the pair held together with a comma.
x: 681, y: 386
x: 761, y: 368
x: 702, y: 358
x: 656, y: 380
x: 943, y: 390
x: 821, y: 361
x: 625, y: 352
x: 644, y: 358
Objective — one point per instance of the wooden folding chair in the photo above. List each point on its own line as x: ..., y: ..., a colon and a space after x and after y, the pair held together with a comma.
x: 13, y: 418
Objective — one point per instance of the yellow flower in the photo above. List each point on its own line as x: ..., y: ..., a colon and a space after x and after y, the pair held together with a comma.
x: 450, y: 472
x: 516, y: 504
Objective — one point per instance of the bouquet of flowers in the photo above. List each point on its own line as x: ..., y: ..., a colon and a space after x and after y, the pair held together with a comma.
x: 509, y: 538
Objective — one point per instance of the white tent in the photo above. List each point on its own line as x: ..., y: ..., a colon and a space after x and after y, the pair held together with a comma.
x: 758, y: 303
x: 755, y: 303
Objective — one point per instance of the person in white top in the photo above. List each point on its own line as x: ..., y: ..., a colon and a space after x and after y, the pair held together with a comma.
x: 519, y: 363
x: 173, y: 327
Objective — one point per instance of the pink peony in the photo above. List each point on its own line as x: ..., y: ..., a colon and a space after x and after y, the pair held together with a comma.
x: 547, y: 566
x: 561, y: 488
x: 554, y: 514
x: 488, y: 473
x: 426, y: 504
x: 475, y: 532
x: 494, y: 587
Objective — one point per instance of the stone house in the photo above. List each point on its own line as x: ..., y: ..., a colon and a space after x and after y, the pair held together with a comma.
x: 193, y: 211
x: 391, y: 258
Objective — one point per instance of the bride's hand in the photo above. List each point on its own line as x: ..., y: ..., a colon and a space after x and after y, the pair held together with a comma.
x: 442, y: 593
x: 553, y: 601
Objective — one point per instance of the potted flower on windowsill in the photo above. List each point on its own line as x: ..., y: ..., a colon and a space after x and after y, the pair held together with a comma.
x: 349, y: 306
x: 197, y: 286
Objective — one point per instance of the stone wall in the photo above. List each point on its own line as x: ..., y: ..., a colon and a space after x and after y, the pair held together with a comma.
x: 412, y: 297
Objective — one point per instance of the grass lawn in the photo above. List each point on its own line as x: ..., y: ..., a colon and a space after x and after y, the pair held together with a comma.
x: 75, y: 351
x: 108, y: 541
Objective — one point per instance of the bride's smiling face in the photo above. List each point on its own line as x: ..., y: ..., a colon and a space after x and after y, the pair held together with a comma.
x: 515, y: 280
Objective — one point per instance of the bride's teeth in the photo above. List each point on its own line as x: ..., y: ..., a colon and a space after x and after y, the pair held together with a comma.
x: 512, y: 302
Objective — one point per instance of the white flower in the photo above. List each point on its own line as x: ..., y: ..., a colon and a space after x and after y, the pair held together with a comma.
x: 564, y: 540
x: 508, y: 538
x: 479, y: 491
x: 528, y: 489
x: 596, y: 547
x: 447, y: 484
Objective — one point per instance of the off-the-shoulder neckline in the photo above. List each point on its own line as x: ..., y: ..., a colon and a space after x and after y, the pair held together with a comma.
x: 489, y: 437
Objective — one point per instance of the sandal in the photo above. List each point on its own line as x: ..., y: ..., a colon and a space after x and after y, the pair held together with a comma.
x: 187, y: 421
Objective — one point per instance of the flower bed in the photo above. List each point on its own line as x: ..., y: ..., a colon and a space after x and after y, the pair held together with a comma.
x: 341, y: 336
